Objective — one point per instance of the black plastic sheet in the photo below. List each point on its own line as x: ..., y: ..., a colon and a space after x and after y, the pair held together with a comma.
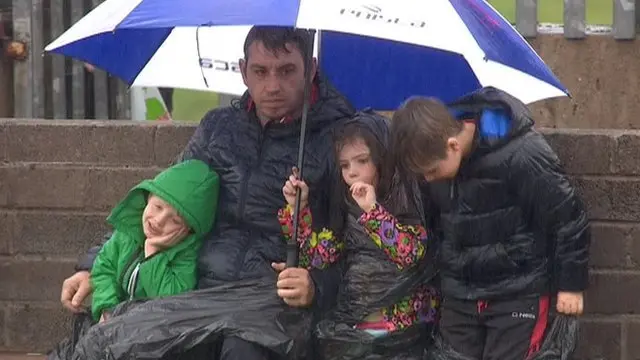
x: 372, y: 282
x: 81, y: 323
x: 189, y: 325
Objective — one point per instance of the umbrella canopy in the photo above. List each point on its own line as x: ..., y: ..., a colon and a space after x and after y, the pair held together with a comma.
x: 376, y: 53
x: 456, y: 46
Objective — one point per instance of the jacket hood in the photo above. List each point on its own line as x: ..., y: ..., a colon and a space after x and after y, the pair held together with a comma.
x: 499, y: 116
x: 397, y: 191
x: 329, y: 106
x: 191, y: 187
x: 378, y: 125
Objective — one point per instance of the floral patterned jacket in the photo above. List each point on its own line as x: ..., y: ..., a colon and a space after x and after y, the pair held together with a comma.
x: 405, y: 245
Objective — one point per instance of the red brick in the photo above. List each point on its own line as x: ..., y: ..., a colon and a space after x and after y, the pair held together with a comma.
x: 598, y: 340
x: 106, y: 187
x: 583, y: 152
x: 33, y: 279
x: 36, y: 327
x: 170, y: 141
x: 97, y: 142
x: 610, y: 246
x: 7, y: 233
x: 611, y: 198
x: 50, y: 233
x: 46, y: 187
x: 613, y: 293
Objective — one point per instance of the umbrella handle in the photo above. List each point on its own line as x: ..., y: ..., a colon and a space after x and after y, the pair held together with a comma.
x: 292, y: 245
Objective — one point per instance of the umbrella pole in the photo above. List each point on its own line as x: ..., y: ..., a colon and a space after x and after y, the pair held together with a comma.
x: 292, y: 245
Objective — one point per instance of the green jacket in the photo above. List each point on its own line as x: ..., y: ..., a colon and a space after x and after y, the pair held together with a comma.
x: 192, y: 189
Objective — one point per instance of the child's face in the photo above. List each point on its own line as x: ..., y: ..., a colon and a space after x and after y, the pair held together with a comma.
x: 446, y: 168
x: 356, y: 163
x: 161, y: 219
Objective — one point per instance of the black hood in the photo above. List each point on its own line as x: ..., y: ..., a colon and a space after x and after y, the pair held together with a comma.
x: 499, y: 117
x: 377, y: 124
x: 397, y: 191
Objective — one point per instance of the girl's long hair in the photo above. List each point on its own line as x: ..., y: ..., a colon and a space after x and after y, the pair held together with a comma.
x: 395, y: 187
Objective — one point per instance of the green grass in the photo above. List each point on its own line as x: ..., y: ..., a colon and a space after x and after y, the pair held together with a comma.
x: 599, y: 12
x: 192, y: 105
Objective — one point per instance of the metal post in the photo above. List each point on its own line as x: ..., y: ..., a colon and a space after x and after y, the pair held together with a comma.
x: 574, y: 19
x: 624, y: 19
x: 77, y: 69
x: 527, y: 17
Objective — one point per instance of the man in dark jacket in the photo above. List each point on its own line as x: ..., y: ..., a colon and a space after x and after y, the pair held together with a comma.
x: 513, y: 231
x: 253, y: 146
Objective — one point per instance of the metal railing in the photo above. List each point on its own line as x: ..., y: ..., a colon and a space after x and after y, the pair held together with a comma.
x: 625, y: 19
x: 52, y: 86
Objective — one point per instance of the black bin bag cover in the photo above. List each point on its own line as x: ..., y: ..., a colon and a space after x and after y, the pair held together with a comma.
x: 372, y: 282
x: 187, y: 326
x: 81, y: 323
x: 559, y: 343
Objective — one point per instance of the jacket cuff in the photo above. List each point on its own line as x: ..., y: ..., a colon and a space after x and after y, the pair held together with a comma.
x: 573, y: 280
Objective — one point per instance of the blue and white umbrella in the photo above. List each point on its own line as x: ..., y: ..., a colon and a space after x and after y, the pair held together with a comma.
x: 449, y: 48
x: 376, y: 52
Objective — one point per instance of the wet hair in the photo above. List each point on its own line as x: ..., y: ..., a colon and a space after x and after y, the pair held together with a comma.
x: 420, y: 129
x: 395, y: 187
x: 275, y: 38
x: 340, y: 199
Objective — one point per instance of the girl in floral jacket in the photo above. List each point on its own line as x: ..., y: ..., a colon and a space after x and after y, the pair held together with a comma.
x: 386, y: 300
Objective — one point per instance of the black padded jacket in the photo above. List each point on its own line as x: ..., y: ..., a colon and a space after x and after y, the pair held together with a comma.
x: 510, y: 223
x: 253, y: 163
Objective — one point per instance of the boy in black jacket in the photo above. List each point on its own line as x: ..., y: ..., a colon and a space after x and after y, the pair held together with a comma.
x: 514, y: 235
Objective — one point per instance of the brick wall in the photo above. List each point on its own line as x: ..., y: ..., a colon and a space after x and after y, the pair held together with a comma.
x: 606, y: 168
x: 58, y: 180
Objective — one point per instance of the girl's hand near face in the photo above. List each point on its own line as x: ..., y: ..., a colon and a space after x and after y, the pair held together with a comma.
x: 364, y: 195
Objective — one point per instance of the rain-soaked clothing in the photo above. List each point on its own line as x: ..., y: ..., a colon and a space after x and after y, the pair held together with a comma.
x: 122, y: 272
x: 237, y: 303
x: 385, y: 262
x: 560, y: 342
x: 498, y: 328
x: 253, y: 162
x: 511, y: 225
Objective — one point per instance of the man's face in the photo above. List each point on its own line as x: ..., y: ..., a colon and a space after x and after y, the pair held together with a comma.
x: 275, y: 80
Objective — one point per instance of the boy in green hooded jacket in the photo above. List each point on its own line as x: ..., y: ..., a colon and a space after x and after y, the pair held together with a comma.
x: 158, y: 227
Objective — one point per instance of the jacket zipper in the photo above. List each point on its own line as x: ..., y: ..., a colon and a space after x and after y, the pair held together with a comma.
x: 245, y: 182
x: 453, y: 190
x: 130, y: 262
x: 131, y: 277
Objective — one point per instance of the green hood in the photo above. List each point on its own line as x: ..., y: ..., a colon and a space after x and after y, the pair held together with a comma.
x: 191, y: 187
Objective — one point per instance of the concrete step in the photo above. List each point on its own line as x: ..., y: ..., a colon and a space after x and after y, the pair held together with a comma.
x: 21, y: 356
